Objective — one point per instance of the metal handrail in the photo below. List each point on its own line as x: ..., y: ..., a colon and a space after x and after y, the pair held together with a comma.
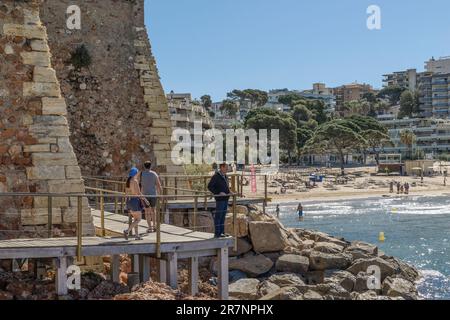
x: 102, y: 195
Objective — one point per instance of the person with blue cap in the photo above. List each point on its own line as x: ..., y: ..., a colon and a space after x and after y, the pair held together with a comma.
x: 135, y: 201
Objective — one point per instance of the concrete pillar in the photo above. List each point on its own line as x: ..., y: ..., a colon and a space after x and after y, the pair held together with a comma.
x: 222, y: 255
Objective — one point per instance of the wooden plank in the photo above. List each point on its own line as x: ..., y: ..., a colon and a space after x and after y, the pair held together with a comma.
x: 162, y: 271
x: 222, y: 255
x: 193, y: 276
x: 144, y: 268
x: 115, y: 268
x: 172, y: 270
x: 61, y: 276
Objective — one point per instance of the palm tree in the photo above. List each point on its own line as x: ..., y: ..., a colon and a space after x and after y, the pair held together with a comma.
x: 407, y: 137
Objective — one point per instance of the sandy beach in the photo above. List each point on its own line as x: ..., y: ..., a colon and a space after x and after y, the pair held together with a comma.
x: 360, y: 186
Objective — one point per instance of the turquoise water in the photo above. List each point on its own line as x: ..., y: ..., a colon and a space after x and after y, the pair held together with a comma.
x: 417, y: 230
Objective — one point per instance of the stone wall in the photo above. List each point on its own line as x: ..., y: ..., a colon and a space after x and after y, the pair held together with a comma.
x: 35, y: 152
x: 117, y: 109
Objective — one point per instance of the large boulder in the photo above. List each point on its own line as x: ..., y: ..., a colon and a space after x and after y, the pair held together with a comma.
x: 404, y: 270
x: 252, y: 265
x: 266, y: 237
x: 328, y: 247
x: 398, y: 287
x: 286, y: 280
x: 362, y: 282
x: 362, y: 250
x: 314, y: 277
x: 286, y: 293
x: 323, y: 261
x: 243, y: 247
x: 236, y: 275
x: 344, y: 278
x: 293, y: 264
x: 245, y: 289
x: 267, y: 287
x: 312, y: 295
x: 241, y: 225
x: 332, y: 291
x: 362, y: 265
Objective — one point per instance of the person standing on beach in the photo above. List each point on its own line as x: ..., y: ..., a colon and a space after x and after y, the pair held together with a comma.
x: 391, y: 187
x: 300, y: 211
x: 398, y: 187
x: 150, y: 187
x: 219, y: 186
x: 406, y: 188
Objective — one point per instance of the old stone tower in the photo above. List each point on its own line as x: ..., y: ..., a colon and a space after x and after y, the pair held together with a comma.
x: 117, y: 109
x: 35, y: 151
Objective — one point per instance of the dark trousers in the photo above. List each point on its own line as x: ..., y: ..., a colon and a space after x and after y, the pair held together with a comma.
x: 219, y: 217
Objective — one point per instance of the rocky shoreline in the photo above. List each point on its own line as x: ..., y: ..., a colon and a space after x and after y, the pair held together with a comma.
x: 276, y: 263
x: 271, y: 263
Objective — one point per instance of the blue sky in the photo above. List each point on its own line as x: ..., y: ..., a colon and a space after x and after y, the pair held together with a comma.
x: 215, y: 46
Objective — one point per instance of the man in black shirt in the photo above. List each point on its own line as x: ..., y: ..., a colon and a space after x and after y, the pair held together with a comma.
x: 219, y: 186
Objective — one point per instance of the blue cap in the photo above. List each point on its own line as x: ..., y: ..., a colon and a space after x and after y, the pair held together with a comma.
x: 133, y: 172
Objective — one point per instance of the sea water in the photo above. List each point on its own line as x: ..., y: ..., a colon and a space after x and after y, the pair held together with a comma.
x: 417, y: 230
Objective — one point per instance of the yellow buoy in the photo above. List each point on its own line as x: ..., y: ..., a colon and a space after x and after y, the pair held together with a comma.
x: 394, y: 210
x: 381, y: 237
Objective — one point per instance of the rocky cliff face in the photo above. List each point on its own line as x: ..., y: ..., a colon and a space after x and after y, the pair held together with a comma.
x: 117, y: 109
x: 35, y: 151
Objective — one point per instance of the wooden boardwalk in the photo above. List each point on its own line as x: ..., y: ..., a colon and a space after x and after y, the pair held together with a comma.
x: 176, y: 243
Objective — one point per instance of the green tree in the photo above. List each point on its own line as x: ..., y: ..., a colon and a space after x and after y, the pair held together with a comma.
x: 230, y: 107
x: 408, y: 138
x: 256, y: 97
x: 304, y: 134
x: 409, y: 104
x: 206, y: 102
x: 375, y: 141
x: 393, y: 93
x: 265, y: 118
x: 292, y: 99
x: 336, y: 137
x: 301, y: 114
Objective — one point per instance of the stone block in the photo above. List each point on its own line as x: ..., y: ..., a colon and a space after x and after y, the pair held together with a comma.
x: 42, y: 202
x: 37, y: 148
x: 73, y: 172
x: 54, y: 106
x: 29, y: 32
x: 36, y: 58
x: 46, y: 173
x: 35, y: 217
x: 40, y: 45
x: 44, y: 75
x: 66, y: 186
x: 50, y: 131
x: 54, y: 159
x: 40, y: 89
x: 161, y: 123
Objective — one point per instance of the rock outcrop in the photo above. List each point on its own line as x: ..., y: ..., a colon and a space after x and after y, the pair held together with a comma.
x: 297, y: 264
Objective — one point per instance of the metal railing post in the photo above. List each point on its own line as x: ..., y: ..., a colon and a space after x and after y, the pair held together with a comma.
x: 102, y: 213
x: 176, y: 188
x: 97, y: 186
x: 158, y: 232
x: 235, y: 224
x: 50, y: 216
x: 195, y: 212
x: 80, y: 229
x: 116, y: 202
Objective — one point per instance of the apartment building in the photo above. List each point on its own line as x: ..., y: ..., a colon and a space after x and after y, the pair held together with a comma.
x: 350, y: 92
x: 404, y: 79
x: 432, y: 135
x: 322, y: 93
x: 185, y: 112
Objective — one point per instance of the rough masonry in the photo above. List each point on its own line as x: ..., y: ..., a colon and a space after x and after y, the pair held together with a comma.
x: 36, y: 154
x: 117, y: 110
